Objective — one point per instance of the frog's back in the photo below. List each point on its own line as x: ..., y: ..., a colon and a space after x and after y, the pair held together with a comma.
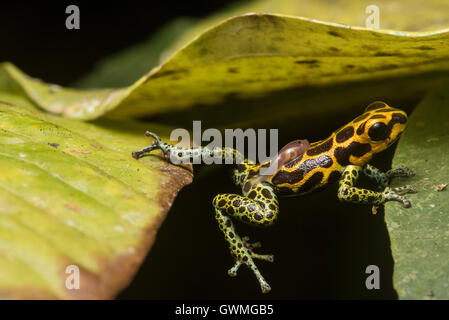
x: 309, y: 171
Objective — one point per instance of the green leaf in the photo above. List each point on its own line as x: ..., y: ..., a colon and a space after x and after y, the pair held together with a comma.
x: 262, y: 63
x: 11, y: 89
x: 128, y: 65
x: 409, y: 15
x: 420, y: 235
x: 71, y: 194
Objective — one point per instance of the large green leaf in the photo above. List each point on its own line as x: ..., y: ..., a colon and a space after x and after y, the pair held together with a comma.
x: 279, y: 63
x: 71, y: 194
x: 409, y: 15
x: 130, y: 64
x: 420, y: 235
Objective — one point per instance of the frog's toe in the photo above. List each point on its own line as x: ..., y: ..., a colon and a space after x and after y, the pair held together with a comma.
x: 266, y: 257
x: 264, y: 286
x: 408, y: 172
x: 245, y: 255
x: 393, y: 194
x: 401, y: 171
x: 233, y: 271
x: 152, y: 134
x: 404, y: 189
x: 406, y: 203
x: 252, y: 246
x: 155, y: 145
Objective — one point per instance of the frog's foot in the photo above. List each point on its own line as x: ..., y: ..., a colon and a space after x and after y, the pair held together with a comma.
x: 395, y: 194
x: 404, y: 189
x: 155, y: 145
x: 400, y: 171
x: 252, y: 246
x: 247, y: 259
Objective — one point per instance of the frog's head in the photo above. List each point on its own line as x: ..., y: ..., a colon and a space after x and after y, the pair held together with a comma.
x: 381, y: 125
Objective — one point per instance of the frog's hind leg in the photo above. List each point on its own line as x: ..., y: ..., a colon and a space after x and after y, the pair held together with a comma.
x: 260, y: 208
x: 177, y: 154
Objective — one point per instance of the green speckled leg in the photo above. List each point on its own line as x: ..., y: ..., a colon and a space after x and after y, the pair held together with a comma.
x: 241, y: 250
x: 259, y: 206
x: 383, y: 178
x: 347, y: 191
x: 187, y: 154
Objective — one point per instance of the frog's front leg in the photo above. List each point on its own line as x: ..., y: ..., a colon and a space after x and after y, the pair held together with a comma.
x: 258, y: 206
x: 383, y: 178
x: 348, y: 192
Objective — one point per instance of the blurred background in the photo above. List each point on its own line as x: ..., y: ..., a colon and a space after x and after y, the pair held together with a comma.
x: 33, y: 32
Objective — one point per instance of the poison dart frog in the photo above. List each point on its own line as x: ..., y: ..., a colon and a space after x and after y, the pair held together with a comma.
x: 302, y: 167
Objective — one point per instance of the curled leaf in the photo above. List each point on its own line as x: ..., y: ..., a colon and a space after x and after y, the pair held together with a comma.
x: 262, y: 63
x: 72, y: 195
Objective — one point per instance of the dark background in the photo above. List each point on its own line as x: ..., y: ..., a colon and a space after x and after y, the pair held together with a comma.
x: 321, y: 246
x: 34, y: 37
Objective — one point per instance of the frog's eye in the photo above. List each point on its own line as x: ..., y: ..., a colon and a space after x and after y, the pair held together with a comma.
x: 378, y: 131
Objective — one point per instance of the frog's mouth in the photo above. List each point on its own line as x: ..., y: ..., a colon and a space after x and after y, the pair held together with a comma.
x: 391, y: 141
